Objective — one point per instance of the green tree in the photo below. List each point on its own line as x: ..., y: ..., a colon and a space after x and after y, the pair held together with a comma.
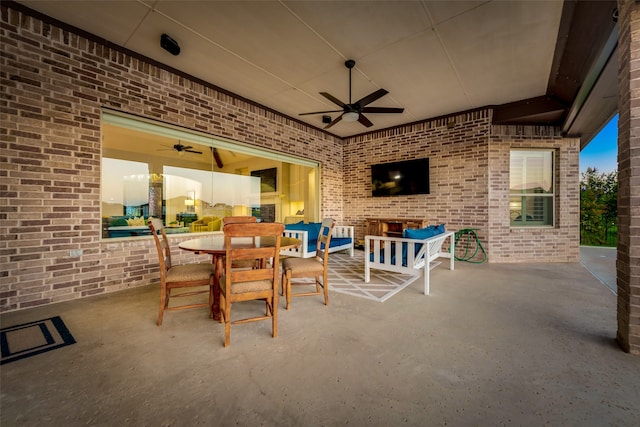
x: 598, y: 207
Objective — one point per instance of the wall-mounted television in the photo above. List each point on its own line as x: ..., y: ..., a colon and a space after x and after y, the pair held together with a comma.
x: 268, y: 179
x: 400, y: 178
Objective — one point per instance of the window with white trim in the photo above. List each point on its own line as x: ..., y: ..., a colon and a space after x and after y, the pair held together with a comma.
x: 531, y: 187
x: 192, y: 180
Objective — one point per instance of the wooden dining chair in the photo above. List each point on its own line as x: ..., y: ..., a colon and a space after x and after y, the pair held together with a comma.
x: 247, y: 241
x: 316, y: 267
x: 179, y: 276
x: 238, y: 219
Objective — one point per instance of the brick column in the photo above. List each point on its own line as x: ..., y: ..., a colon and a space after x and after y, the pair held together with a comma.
x: 628, y: 262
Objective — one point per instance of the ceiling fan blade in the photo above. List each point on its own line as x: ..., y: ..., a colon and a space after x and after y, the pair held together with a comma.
x: 217, y: 158
x: 372, y: 97
x: 363, y: 120
x: 192, y: 151
x: 321, y: 112
x: 382, y: 110
x: 333, y: 99
x: 336, y: 120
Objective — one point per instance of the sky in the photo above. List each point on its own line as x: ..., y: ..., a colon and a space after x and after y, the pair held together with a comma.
x: 602, y: 151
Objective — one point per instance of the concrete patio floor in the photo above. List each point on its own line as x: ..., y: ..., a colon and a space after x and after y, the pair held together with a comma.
x: 601, y: 262
x: 494, y: 344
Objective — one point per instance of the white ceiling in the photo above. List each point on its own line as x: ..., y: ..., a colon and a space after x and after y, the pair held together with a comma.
x: 434, y: 57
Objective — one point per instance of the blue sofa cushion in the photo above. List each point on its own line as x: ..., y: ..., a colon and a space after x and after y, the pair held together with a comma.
x: 419, y: 234
x: 381, y: 260
x: 313, y: 229
x: 339, y: 241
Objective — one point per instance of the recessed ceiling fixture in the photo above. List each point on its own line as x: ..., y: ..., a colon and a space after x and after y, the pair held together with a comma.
x: 352, y: 112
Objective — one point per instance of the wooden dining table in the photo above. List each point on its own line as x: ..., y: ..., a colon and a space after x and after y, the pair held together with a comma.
x: 214, y: 245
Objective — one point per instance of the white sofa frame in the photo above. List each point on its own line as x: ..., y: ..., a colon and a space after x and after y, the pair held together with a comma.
x: 420, y: 263
x: 303, y: 252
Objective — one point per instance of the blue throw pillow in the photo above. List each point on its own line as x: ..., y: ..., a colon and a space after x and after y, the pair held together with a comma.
x: 423, y: 233
x: 419, y: 234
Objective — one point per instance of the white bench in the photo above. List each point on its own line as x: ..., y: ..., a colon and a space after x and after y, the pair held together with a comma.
x: 380, y: 252
x: 339, y: 232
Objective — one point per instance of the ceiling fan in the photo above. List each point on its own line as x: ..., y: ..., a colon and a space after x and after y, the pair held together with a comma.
x: 352, y: 112
x: 181, y: 149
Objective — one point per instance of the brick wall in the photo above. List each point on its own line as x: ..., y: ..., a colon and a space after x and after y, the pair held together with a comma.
x: 560, y: 243
x: 457, y: 150
x: 54, y: 86
x: 469, y: 174
x: 628, y: 256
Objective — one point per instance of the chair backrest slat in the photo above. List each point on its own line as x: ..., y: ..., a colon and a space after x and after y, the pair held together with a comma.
x: 162, y: 244
x: 324, y: 239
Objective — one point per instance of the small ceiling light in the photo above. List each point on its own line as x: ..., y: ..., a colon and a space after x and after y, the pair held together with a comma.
x: 350, y: 116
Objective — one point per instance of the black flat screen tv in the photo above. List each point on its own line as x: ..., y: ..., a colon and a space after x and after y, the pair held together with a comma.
x: 400, y: 178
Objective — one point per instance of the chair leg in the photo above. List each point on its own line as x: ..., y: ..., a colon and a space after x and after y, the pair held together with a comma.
x: 288, y: 290
x: 221, y: 307
x: 274, y: 316
x: 227, y: 324
x: 325, y: 288
x: 216, y: 288
x: 268, y: 309
x: 164, y: 301
x: 211, y: 300
x: 282, y: 284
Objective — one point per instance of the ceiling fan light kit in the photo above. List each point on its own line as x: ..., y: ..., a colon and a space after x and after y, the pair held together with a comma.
x: 352, y: 112
x: 350, y: 116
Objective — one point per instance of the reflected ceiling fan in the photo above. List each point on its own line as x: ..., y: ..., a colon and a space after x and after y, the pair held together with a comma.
x: 181, y: 149
x: 352, y: 112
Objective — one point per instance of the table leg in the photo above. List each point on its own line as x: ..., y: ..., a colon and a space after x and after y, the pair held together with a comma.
x: 217, y: 261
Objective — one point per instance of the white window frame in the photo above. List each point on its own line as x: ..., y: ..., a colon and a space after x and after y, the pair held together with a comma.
x: 518, y: 210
